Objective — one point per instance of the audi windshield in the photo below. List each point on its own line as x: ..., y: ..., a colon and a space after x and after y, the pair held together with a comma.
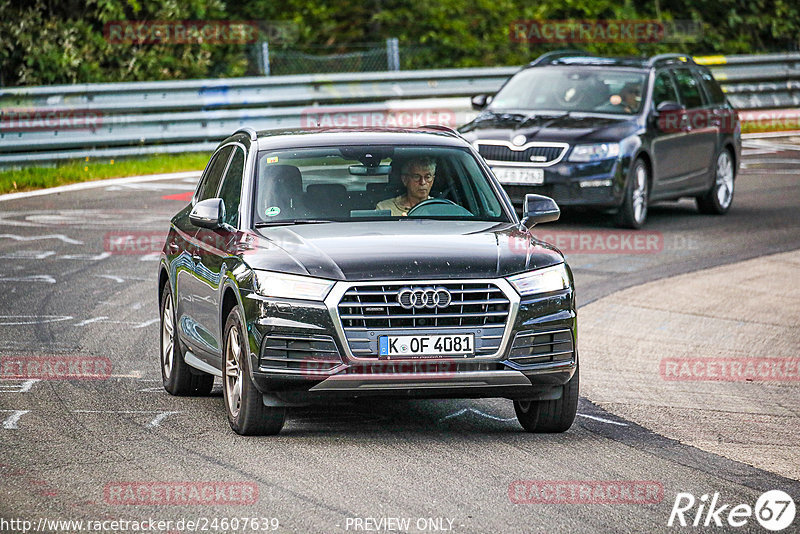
x: 372, y: 183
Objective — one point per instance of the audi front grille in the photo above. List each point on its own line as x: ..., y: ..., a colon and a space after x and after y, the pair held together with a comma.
x: 367, y: 311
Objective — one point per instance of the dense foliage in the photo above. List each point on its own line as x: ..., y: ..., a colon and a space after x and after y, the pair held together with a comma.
x: 62, y: 41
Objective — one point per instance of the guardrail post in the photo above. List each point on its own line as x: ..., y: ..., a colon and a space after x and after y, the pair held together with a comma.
x: 265, y: 58
x: 392, y: 54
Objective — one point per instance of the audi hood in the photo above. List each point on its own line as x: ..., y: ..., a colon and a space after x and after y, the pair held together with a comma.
x: 408, y: 249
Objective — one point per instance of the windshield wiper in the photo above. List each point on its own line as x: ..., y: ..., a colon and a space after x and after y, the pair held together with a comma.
x: 292, y: 221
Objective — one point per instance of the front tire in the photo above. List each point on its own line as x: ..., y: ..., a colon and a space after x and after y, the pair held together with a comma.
x: 718, y: 199
x: 178, y: 378
x: 550, y: 416
x: 633, y: 212
x: 244, y: 404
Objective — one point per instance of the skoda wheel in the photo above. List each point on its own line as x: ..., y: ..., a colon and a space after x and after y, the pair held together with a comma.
x: 244, y: 404
x: 633, y: 212
x: 178, y: 378
x: 718, y: 199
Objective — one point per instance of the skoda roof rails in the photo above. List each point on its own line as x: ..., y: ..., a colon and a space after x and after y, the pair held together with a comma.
x: 669, y: 58
x: 550, y: 56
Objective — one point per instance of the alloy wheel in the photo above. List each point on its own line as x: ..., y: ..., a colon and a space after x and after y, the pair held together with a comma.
x: 167, y: 338
x: 640, y: 193
x: 233, y: 371
x: 724, y: 179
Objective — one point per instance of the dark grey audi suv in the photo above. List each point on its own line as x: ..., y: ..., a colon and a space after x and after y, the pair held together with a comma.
x: 288, y: 277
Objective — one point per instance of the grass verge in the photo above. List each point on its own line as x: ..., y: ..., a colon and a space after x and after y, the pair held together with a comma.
x: 71, y: 172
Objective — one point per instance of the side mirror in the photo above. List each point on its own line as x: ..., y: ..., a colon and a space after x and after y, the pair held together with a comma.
x: 208, y: 213
x: 480, y: 101
x: 669, y: 106
x: 539, y: 209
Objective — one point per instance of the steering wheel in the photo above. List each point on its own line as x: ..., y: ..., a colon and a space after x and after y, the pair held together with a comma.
x: 570, y: 97
x: 438, y: 206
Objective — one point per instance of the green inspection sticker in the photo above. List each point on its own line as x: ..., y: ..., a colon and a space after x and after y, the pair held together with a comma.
x: 272, y: 211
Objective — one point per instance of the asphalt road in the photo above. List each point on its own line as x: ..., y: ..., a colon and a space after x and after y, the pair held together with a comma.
x: 68, y: 447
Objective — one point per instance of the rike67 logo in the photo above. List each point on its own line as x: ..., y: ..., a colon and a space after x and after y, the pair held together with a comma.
x: 774, y: 510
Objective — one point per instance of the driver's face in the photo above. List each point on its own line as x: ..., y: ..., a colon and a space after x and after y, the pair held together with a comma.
x: 631, y: 98
x: 418, y: 180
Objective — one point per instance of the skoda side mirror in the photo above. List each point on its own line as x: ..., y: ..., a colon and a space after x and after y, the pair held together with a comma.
x: 669, y: 106
x: 480, y: 101
x: 208, y: 213
x: 539, y: 209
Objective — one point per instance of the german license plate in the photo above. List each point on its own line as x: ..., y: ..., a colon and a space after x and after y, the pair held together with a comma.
x: 519, y: 176
x: 436, y: 346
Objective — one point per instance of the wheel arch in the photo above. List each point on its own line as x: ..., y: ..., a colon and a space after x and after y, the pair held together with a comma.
x: 163, y: 280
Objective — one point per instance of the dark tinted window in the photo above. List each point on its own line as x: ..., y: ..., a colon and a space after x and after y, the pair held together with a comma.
x: 210, y: 181
x: 713, y: 89
x: 664, y: 89
x: 232, y: 187
x: 688, y: 88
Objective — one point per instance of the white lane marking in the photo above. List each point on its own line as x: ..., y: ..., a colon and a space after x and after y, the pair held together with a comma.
x: 60, y: 237
x: 134, y: 374
x: 88, y: 257
x: 773, y: 145
x: 153, y: 256
x: 121, y: 279
x: 11, y: 421
x: 29, y: 278
x: 156, y: 421
x: 102, y: 183
x: 19, y: 388
x: 156, y: 389
x: 90, y: 321
x: 146, y: 323
x: 496, y: 418
x: 27, y: 255
x: 473, y: 410
x: 600, y: 419
x: 147, y: 187
x: 16, y: 320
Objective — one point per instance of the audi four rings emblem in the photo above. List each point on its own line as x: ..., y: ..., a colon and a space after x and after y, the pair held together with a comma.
x: 423, y: 297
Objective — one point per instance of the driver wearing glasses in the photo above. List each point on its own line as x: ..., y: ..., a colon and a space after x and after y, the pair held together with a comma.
x: 417, y: 176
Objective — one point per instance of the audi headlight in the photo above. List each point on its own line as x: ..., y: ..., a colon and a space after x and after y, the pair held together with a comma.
x: 584, y: 153
x: 553, y: 278
x: 289, y: 286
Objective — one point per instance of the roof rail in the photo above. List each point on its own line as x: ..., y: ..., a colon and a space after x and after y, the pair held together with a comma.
x: 683, y: 58
x: 558, y: 54
x: 441, y: 128
x: 249, y: 131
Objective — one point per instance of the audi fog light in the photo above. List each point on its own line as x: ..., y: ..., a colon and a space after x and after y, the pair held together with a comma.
x: 553, y: 278
x: 289, y: 286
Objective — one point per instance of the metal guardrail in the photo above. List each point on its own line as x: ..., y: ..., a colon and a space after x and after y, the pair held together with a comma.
x: 193, y: 115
